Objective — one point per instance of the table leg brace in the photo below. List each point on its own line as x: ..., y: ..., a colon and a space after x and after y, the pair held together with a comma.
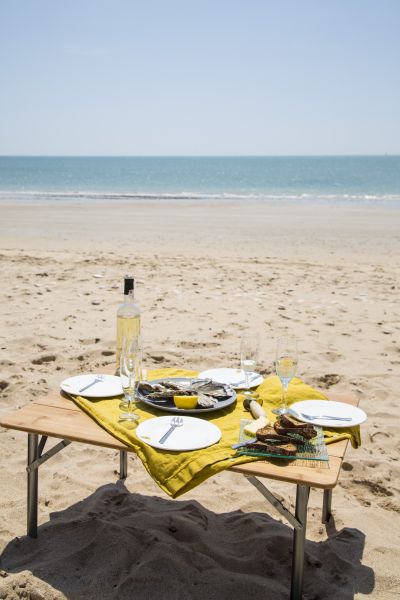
x: 299, y: 524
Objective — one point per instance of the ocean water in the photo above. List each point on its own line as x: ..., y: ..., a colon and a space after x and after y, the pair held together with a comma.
x: 365, y: 179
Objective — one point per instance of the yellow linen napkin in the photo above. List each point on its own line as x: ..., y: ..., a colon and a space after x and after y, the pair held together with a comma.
x: 175, y: 472
x: 179, y: 472
x: 271, y: 393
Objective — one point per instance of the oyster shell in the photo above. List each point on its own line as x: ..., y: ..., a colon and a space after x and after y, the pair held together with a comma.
x: 206, y: 386
x: 147, y: 386
x: 205, y: 401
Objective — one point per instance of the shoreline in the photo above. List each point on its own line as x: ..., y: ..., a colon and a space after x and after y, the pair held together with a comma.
x: 214, y: 228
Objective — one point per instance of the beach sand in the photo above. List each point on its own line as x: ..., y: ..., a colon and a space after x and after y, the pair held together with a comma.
x: 205, y: 274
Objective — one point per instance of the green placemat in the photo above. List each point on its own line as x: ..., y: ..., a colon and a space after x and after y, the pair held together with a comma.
x: 314, y: 449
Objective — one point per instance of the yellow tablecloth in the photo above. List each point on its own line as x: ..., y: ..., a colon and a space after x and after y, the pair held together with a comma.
x: 179, y: 472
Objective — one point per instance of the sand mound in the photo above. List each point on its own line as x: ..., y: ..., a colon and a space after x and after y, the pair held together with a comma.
x: 115, y: 544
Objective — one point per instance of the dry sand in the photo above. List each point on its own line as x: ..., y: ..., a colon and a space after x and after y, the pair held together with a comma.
x: 205, y: 273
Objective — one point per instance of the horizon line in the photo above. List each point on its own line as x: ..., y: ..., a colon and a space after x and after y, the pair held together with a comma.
x: 372, y: 155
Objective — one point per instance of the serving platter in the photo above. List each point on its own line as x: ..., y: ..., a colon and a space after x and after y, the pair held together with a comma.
x: 169, y: 406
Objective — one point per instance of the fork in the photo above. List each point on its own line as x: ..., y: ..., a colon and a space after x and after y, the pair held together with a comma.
x: 96, y: 379
x: 175, y: 422
x: 328, y: 417
x: 242, y: 381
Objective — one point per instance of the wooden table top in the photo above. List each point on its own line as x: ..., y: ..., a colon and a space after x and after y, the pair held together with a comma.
x: 57, y: 416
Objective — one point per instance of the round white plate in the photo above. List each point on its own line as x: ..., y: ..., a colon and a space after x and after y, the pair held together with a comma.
x: 233, y: 377
x: 192, y: 435
x: 331, y: 408
x: 108, y: 387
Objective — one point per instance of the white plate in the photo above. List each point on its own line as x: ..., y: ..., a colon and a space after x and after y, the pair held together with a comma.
x: 192, y: 435
x: 110, y: 386
x: 331, y: 408
x: 233, y: 377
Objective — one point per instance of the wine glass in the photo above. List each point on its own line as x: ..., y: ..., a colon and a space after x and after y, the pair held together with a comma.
x: 286, y: 366
x: 248, y: 359
x: 130, y: 371
x: 123, y: 405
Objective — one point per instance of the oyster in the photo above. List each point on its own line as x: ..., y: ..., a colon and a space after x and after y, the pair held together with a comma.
x: 205, y: 401
x: 212, y: 388
x: 147, y: 386
x: 169, y: 385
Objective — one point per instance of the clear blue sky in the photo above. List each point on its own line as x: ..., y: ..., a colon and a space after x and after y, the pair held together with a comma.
x: 199, y: 77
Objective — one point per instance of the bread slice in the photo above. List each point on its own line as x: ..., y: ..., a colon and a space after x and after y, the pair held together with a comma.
x: 307, y: 431
x: 287, y: 449
x: 269, y: 435
x: 289, y: 421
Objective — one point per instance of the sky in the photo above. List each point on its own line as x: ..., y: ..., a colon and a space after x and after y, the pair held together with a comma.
x: 199, y: 77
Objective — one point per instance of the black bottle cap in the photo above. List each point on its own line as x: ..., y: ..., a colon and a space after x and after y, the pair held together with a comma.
x: 129, y: 284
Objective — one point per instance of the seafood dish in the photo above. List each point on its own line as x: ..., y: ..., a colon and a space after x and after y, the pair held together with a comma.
x: 210, y: 395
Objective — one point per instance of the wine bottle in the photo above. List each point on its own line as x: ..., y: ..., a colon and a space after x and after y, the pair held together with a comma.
x: 128, y: 317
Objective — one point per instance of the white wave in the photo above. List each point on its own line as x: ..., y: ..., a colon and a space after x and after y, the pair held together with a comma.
x: 88, y: 195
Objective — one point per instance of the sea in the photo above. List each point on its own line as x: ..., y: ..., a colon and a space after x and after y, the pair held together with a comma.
x: 357, y: 179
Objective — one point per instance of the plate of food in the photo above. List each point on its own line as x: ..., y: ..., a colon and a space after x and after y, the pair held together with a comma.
x: 287, y: 438
x: 233, y: 377
x: 186, y: 395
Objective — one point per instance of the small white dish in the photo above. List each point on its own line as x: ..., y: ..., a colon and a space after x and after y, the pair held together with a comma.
x: 109, y: 386
x: 192, y: 435
x: 233, y: 377
x: 331, y: 408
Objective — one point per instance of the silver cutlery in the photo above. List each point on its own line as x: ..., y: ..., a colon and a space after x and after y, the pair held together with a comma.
x: 253, y: 378
x: 175, y: 422
x: 315, y: 417
x: 241, y: 444
x: 96, y: 379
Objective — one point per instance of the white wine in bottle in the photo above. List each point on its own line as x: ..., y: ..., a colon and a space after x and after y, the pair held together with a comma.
x: 128, y: 317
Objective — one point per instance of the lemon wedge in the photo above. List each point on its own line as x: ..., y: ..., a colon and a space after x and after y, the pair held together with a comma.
x: 185, y: 401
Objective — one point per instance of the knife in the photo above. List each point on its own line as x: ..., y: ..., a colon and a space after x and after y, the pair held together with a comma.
x: 244, y: 443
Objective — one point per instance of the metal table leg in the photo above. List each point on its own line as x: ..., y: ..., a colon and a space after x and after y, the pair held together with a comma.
x: 123, y: 464
x: 33, y: 453
x: 327, y: 506
x: 299, y: 535
x: 35, y: 459
x: 299, y: 523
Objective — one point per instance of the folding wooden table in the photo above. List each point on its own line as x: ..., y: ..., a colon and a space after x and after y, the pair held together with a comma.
x: 57, y: 416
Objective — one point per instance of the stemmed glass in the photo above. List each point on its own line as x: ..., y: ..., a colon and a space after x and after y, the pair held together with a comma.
x: 286, y: 366
x: 248, y: 359
x: 130, y: 371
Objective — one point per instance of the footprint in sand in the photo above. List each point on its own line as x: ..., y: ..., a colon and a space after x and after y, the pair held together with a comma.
x: 44, y: 359
x: 193, y: 345
x: 329, y: 379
